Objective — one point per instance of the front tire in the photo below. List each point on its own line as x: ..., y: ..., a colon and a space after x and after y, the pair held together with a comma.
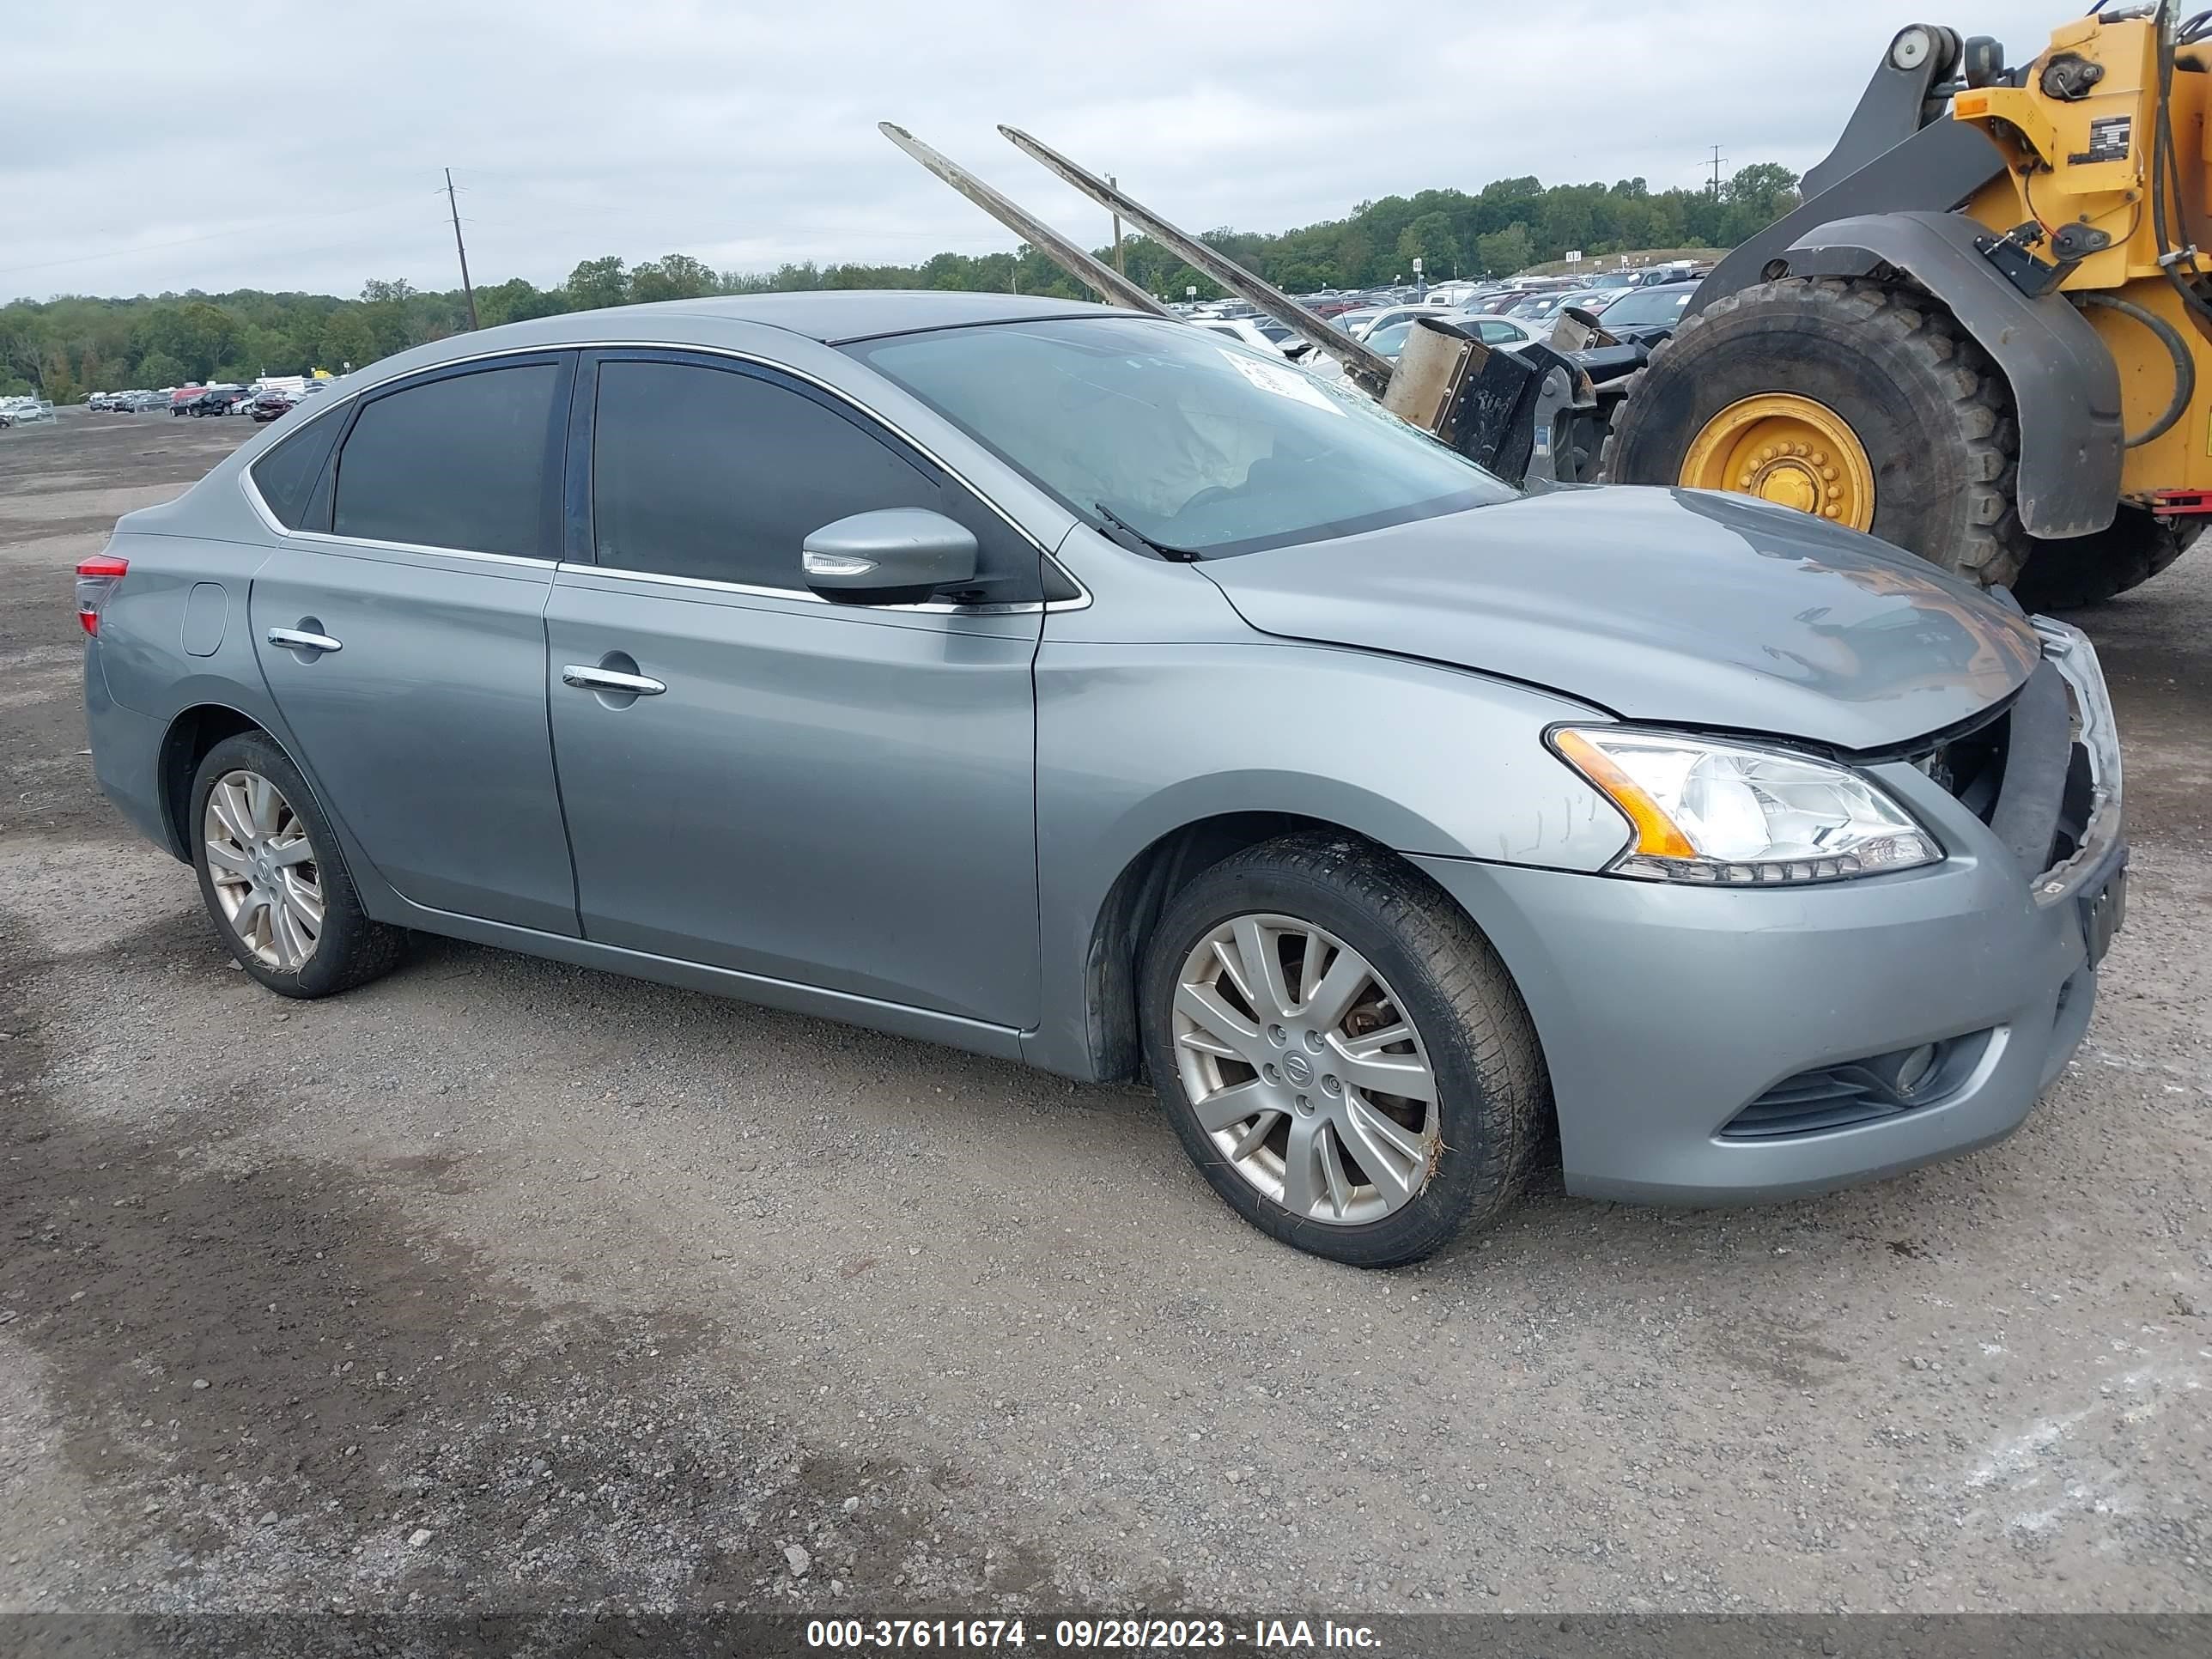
x: 273, y: 878
x: 1927, y: 418
x: 1342, y: 1054
x: 2083, y: 570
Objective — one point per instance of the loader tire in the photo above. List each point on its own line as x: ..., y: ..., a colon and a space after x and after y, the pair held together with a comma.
x: 2083, y: 570
x: 1928, y: 410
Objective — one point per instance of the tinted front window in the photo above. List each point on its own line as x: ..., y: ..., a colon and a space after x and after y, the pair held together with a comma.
x: 1199, y: 444
x: 458, y: 462
x: 709, y: 473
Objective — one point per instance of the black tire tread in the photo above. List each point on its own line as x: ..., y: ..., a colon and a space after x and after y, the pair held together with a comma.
x: 1995, y: 547
x: 2086, y: 570
x: 353, y: 948
x: 1491, y: 1027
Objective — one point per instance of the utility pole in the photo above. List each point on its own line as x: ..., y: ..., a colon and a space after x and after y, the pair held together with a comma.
x: 1121, y: 263
x: 461, y: 249
x: 1717, y: 159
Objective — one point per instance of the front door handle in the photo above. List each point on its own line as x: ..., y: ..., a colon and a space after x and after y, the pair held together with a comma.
x: 303, y: 639
x: 586, y: 678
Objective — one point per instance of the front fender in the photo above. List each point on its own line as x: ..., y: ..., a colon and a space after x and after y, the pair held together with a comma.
x: 2065, y: 386
x: 1138, y: 741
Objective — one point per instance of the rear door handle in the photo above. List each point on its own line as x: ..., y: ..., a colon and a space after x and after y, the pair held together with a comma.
x: 299, y: 639
x: 586, y: 678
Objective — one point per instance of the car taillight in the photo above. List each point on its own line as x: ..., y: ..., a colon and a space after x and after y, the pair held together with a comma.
x: 95, y: 580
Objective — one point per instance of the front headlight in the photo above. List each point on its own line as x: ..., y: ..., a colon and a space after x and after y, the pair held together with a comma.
x: 1729, y: 814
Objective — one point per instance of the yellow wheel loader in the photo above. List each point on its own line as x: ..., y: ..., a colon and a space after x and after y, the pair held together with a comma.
x: 1984, y: 335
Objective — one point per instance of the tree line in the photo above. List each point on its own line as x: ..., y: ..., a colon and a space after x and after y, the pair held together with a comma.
x: 67, y: 346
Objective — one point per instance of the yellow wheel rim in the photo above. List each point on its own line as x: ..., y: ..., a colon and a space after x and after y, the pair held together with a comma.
x: 1789, y: 450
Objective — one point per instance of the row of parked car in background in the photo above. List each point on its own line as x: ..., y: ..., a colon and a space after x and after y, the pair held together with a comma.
x: 1641, y: 304
x: 265, y: 400
x: 23, y: 410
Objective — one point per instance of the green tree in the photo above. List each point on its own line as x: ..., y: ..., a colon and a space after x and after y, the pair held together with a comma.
x: 1566, y: 219
x: 160, y: 369
x: 346, y: 340
x: 597, y: 283
x: 22, y: 347
x: 1183, y: 278
x: 673, y: 277
x: 56, y: 383
x: 197, y: 334
x: 1429, y: 240
x: 1505, y: 226
x: 1754, y: 198
x: 1504, y: 251
x: 515, y: 301
x: 1765, y: 186
x: 385, y: 309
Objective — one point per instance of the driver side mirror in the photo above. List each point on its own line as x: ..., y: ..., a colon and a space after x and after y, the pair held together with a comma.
x: 895, y: 555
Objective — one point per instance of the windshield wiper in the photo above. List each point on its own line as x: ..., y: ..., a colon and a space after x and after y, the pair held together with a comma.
x: 1125, y: 533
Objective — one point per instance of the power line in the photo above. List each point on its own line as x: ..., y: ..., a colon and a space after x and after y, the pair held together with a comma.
x: 1717, y: 159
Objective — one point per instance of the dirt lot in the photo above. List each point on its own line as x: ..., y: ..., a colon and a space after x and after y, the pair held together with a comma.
x: 504, y: 1284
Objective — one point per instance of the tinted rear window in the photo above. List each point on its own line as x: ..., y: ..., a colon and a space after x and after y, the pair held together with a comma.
x: 287, y: 475
x: 458, y: 462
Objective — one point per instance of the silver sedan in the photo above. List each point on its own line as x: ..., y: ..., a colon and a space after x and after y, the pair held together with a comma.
x: 1097, y: 693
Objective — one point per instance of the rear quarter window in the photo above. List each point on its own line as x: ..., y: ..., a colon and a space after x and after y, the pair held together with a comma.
x: 285, y: 477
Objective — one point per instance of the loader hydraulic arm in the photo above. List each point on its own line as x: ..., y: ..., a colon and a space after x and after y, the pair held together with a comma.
x: 1371, y: 369
x: 1533, y: 414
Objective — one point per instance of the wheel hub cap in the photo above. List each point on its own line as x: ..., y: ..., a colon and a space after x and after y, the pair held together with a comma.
x: 1787, y: 449
x: 263, y: 869
x: 1304, y: 1071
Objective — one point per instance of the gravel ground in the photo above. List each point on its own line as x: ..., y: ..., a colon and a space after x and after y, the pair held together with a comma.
x: 503, y: 1284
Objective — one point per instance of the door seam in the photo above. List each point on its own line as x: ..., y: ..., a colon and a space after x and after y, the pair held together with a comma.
x: 553, y: 755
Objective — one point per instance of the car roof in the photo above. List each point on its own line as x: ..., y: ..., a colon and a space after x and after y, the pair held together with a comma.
x: 835, y: 316
x: 1661, y: 288
x: 828, y: 319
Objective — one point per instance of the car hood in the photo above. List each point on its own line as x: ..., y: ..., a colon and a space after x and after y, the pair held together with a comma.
x: 1672, y: 605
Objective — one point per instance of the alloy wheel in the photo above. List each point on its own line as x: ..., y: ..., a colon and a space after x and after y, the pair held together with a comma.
x: 1305, y: 1071
x: 263, y: 869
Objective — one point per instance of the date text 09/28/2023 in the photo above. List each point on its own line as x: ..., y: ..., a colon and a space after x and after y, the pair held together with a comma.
x: 1258, y: 1635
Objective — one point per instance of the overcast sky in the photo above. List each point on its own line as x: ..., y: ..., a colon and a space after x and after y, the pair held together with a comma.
x: 155, y: 146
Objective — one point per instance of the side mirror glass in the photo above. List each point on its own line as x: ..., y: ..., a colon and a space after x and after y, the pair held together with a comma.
x: 895, y: 555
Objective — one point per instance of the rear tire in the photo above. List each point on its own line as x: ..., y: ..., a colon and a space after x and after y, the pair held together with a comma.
x: 1454, y: 1163
x: 1932, y: 412
x: 348, y: 948
x: 2083, y: 570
